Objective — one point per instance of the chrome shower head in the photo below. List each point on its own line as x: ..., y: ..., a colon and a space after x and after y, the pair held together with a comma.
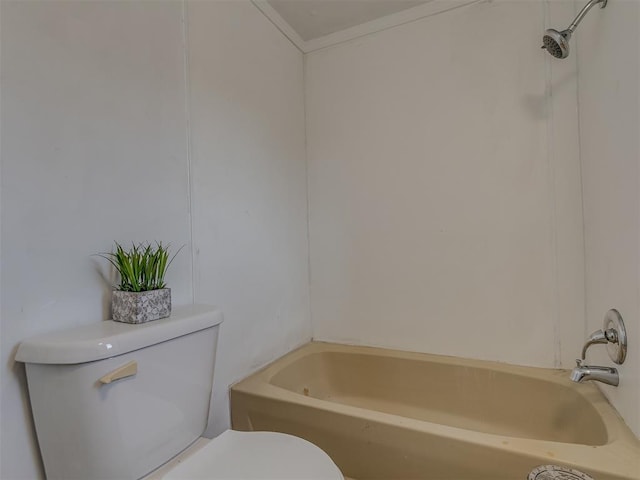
x: 557, y: 43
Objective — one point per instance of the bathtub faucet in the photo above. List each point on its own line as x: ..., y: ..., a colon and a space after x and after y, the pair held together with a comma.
x: 614, y: 335
x: 607, y: 375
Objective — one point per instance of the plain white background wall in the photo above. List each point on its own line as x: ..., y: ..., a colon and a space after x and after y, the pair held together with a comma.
x: 249, y: 187
x: 444, y: 185
x: 609, y: 59
x: 95, y: 148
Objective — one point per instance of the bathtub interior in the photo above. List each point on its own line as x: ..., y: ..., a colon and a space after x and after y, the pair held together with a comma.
x: 383, y: 414
x: 463, y: 396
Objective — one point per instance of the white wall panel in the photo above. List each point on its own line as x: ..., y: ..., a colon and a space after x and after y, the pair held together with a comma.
x: 249, y: 187
x: 609, y: 58
x: 444, y: 188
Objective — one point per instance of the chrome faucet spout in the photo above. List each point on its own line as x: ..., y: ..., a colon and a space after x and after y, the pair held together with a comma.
x: 614, y: 335
x: 583, y: 373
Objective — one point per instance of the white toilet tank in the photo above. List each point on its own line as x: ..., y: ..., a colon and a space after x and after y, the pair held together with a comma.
x: 93, y: 425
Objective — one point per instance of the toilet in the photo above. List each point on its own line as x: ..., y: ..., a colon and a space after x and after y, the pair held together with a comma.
x: 119, y: 401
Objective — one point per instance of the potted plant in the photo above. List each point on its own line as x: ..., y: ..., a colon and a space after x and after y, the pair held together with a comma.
x: 142, y: 294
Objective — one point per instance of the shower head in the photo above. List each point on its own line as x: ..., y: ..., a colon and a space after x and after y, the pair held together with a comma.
x: 557, y: 43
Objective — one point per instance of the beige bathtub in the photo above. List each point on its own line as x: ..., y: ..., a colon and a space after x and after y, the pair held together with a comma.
x: 384, y: 414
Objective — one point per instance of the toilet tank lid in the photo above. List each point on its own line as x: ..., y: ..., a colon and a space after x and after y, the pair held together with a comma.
x: 107, y: 339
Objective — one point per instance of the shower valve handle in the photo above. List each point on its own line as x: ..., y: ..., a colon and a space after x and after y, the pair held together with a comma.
x: 613, y: 334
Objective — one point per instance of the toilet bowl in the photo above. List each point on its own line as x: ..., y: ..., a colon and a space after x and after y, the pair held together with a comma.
x: 113, y: 400
x: 250, y: 456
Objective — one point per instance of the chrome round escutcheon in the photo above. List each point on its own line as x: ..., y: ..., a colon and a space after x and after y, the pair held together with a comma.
x: 617, y: 350
x: 556, y: 472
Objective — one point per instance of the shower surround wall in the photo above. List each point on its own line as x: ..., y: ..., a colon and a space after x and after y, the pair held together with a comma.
x: 103, y: 140
x: 444, y: 185
x: 609, y: 85
x: 447, y: 159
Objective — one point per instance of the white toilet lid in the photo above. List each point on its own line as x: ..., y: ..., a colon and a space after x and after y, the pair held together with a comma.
x: 257, y: 455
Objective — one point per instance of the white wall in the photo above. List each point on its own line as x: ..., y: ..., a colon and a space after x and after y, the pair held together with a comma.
x: 609, y: 59
x: 249, y: 187
x: 444, y: 184
x: 106, y: 137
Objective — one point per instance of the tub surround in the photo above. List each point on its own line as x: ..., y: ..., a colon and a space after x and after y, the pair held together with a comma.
x: 389, y: 414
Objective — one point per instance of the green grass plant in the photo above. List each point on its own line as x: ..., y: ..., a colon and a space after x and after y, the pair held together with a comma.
x: 142, y: 267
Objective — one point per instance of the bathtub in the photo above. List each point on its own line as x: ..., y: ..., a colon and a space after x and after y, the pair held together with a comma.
x: 384, y: 414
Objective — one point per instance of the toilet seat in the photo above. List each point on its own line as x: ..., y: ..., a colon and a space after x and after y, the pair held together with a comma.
x: 256, y: 455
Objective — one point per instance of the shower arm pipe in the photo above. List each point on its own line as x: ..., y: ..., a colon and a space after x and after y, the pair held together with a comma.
x: 583, y: 12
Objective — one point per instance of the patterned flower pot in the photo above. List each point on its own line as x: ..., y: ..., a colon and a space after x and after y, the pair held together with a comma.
x: 141, y: 307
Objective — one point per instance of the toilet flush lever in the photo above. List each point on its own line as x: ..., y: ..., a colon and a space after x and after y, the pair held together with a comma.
x: 126, y: 370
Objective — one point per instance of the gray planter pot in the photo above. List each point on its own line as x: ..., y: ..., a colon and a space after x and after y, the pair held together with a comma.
x: 141, y: 307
